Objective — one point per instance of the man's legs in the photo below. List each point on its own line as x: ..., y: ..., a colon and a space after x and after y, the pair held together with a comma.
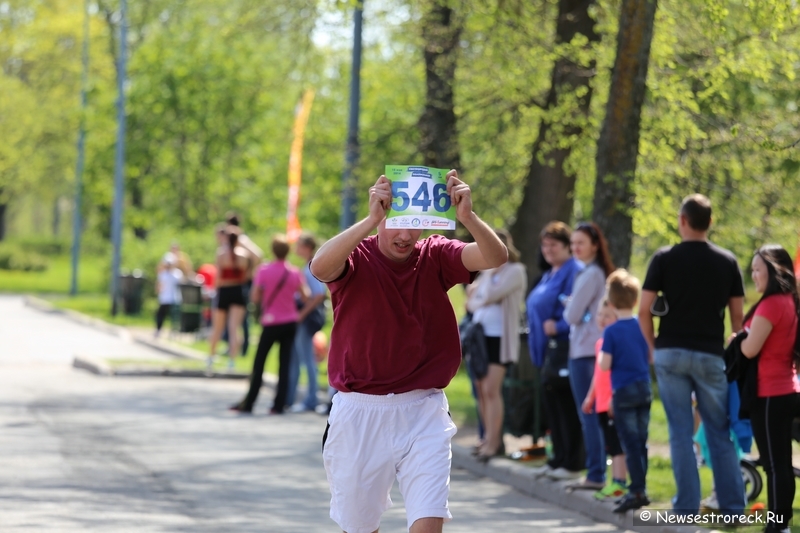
x: 305, y: 343
x: 711, y: 388
x: 673, y: 367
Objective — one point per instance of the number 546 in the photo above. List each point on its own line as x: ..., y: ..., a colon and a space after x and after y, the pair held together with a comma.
x: 421, y: 198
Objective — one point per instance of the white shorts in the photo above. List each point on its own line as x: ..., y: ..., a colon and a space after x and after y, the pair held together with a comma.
x: 371, y: 440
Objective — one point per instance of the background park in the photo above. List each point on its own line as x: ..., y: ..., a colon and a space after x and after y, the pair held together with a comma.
x: 550, y: 109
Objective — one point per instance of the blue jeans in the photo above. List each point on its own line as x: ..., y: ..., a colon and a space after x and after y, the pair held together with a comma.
x: 581, y: 371
x: 303, y: 354
x: 680, y: 372
x: 631, y: 418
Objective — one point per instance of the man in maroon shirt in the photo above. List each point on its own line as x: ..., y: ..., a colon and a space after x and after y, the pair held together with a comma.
x: 394, y: 346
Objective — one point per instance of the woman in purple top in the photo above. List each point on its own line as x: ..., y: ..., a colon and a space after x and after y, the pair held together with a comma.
x: 274, y: 289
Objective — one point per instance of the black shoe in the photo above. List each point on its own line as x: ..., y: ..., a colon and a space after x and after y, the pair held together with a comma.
x: 238, y: 408
x: 630, y: 502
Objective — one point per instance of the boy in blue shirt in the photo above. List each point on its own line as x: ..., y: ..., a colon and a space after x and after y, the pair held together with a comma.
x: 627, y: 354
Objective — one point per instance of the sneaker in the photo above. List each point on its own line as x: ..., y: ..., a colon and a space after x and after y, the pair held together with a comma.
x: 299, y: 408
x: 230, y: 365
x: 584, y: 484
x: 323, y: 409
x: 562, y: 474
x: 540, y: 471
x: 612, y: 490
x: 209, y: 363
x: 710, y: 502
x: 631, y: 502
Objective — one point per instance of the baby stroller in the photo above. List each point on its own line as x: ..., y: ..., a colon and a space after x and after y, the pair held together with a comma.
x: 755, y: 475
x: 753, y: 483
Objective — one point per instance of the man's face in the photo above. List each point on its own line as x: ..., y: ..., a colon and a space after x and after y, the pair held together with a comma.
x: 302, y: 251
x: 397, y: 244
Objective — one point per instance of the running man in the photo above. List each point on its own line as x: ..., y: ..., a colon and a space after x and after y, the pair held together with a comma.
x: 394, y: 347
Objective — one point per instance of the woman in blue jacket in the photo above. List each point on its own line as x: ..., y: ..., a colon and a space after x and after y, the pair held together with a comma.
x: 547, y: 327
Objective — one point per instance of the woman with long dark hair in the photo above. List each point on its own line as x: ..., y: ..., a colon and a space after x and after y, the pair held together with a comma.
x: 590, y: 248
x: 772, y: 325
x: 229, y: 306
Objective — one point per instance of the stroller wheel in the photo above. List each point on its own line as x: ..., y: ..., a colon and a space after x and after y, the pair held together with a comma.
x: 753, y: 484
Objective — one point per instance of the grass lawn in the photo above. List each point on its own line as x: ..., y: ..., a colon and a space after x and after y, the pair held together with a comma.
x: 93, y: 277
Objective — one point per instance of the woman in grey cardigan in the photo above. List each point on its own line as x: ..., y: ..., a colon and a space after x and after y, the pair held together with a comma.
x: 589, y: 247
x: 495, y: 300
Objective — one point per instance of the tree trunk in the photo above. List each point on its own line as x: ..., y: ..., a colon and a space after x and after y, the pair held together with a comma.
x: 3, y: 207
x: 548, y: 193
x: 618, y: 145
x: 441, y: 30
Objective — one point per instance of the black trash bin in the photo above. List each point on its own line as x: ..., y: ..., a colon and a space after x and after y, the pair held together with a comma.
x: 522, y: 395
x: 131, y: 290
x: 191, y: 307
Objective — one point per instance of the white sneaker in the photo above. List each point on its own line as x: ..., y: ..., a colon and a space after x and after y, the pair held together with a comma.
x: 710, y: 502
x: 209, y: 363
x: 563, y: 474
x: 543, y: 470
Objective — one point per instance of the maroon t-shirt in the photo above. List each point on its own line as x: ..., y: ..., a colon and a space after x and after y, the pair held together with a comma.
x: 394, y: 329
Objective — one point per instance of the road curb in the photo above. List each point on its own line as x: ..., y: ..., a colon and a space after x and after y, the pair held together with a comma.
x: 522, y: 479
x: 118, y: 331
x: 85, y: 320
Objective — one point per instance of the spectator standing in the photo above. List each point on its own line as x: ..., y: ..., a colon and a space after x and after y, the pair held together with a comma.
x: 229, y: 305
x: 308, y: 323
x: 627, y: 354
x: 772, y: 326
x: 698, y: 280
x: 394, y: 347
x: 182, y: 260
x: 495, y: 304
x: 254, y: 256
x: 168, y: 290
x: 274, y: 288
x: 598, y: 400
x: 546, y: 325
x: 588, y: 246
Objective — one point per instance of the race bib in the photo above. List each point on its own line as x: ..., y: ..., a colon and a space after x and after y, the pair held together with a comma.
x: 419, y: 199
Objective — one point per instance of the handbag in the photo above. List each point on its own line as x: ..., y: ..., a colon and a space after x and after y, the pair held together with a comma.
x: 473, y: 348
x: 315, y: 320
x: 555, y: 369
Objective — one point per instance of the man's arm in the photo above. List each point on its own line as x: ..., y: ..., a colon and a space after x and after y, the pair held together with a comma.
x: 736, y: 309
x: 646, y: 318
x: 488, y: 251
x: 329, y: 261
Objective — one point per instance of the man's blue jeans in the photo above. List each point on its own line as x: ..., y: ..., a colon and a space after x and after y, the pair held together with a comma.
x: 303, y: 354
x: 680, y: 372
x: 581, y: 371
x: 632, y: 418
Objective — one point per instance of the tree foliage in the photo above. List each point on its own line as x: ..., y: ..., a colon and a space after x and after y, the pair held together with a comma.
x: 213, y: 84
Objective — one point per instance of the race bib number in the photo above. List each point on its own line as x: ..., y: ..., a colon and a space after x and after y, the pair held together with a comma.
x: 419, y: 199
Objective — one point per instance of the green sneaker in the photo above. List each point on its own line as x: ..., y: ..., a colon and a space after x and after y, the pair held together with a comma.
x: 612, y: 490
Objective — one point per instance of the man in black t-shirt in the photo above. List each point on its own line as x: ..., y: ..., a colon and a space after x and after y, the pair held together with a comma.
x: 697, y: 281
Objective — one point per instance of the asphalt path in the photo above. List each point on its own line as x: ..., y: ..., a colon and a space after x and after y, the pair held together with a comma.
x: 80, y: 452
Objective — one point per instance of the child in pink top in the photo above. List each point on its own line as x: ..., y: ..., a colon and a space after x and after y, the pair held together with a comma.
x: 599, y: 399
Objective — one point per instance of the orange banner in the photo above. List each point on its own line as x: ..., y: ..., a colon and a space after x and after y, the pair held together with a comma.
x: 301, y: 113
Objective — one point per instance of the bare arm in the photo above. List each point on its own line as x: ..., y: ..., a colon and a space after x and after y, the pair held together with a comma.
x: 760, y: 329
x: 488, y: 251
x: 329, y: 261
x: 605, y: 361
x: 646, y: 319
x: 736, y: 309
x: 310, y: 305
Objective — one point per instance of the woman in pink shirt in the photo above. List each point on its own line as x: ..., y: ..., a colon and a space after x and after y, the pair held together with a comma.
x: 274, y: 288
x: 772, y: 326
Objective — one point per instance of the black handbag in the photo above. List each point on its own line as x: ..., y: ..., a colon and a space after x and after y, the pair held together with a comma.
x: 473, y: 347
x: 315, y: 319
x: 555, y: 368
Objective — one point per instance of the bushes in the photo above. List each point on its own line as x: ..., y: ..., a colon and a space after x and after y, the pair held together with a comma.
x: 15, y: 257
